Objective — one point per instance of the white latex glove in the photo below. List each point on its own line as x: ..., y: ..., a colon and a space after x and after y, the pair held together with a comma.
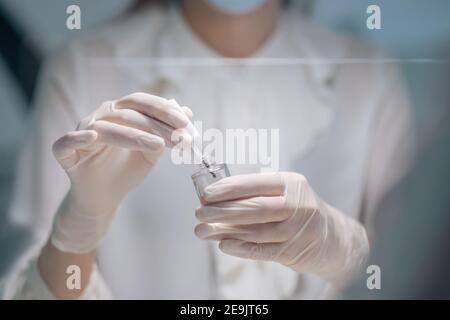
x: 278, y: 217
x: 111, y: 152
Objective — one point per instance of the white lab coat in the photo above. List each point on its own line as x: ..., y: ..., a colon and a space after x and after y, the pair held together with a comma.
x: 345, y: 126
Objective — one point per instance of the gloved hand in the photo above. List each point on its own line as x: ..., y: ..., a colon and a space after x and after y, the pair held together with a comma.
x: 278, y: 217
x: 111, y: 151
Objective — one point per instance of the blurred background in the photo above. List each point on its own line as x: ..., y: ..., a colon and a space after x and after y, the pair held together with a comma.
x: 415, y: 258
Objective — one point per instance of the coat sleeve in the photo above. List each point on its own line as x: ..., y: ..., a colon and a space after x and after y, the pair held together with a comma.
x: 40, y: 183
x: 393, y: 146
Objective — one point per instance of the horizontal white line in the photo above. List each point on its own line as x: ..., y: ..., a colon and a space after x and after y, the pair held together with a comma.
x: 142, y: 62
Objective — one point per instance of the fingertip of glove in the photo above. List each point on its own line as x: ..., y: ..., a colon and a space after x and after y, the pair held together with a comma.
x: 199, y: 231
x: 227, y: 245
x: 188, y: 111
x: 91, y: 136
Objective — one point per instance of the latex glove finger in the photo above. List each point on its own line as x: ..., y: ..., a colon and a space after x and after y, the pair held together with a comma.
x: 303, y: 226
x: 155, y: 107
x: 125, y: 137
x: 187, y: 111
x: 65, y: 148
x: 273, y: 232
x: 245, y: 211
x: 249, y: 250
x: 137, y: 120
x: 245, y: 186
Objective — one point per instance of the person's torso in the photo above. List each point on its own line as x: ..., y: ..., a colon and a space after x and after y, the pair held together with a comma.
x: 151, y: 250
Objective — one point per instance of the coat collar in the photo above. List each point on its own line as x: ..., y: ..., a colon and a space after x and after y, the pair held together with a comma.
x: 148, y: 45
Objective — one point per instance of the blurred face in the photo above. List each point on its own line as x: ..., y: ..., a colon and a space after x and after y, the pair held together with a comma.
x: 234, y: 28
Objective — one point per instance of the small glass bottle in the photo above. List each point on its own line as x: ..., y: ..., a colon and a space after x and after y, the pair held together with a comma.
x: 208, y: 174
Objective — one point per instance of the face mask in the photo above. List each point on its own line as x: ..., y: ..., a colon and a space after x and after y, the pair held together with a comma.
x: 236, y: 6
